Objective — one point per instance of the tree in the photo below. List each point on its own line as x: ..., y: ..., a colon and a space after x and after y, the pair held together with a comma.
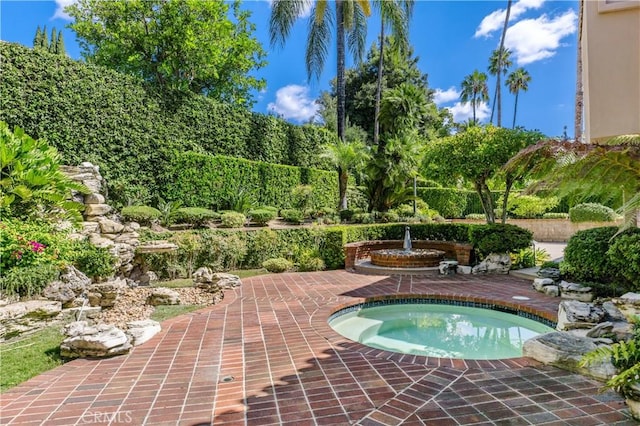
x: 396, y: 14
x: 475, y: 90
x: 608, y: 169
x: 37, y: 39
x: 204, y: 47
x: 347, y: 155
x: 517, y: 81
x: 60, y: 50
x: 579, y: 91
x: 477, y: 155
x: 350, y: 22
x: 499, y: 63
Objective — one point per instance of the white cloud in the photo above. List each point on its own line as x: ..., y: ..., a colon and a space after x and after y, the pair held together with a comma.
x: 306, y: 12
x: 293, y: 102
x: 60, y: 13
x: 462, y: 112
x: 495, y: 20
x: 531, y: 40
x: 443, y: 96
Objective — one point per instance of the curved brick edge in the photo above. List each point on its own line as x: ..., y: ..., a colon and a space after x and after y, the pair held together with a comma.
x: 324, y: 329
x: 354, y: 252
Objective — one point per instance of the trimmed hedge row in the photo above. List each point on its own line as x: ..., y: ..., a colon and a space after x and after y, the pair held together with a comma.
x: 210, y: 180
x: 91, y: 113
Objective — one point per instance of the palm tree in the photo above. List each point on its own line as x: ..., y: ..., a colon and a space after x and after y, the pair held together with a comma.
x: 499, y: 64
x: 517, y: 81
x: 396, y: 14
x: 501, y: 49
x: 345, y: 156
x: 475, y: 90
x: 351, y: 29
x: 579, y: 92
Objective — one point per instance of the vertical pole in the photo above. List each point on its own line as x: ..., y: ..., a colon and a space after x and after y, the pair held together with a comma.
x: 415, y: 193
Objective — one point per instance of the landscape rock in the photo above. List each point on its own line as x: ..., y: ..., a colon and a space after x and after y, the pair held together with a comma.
x: 163, y: 296
x: 448, y: 267
x: 204, y: 278
x: 463, y: 269
x: 22, y: 317
x: 71, y: 284
x: 601, y: 330
x: 551, y: 273
x: 98, y: 341
x: 628, y: 304
x: 573, y: 314
x: 551, y: 290
x: 565, y: 351
x: 495, y: 263
x: 94, y: 198
x: 540, y: 283
x: 108, y: 226
x: 97, y: 209
x: 90, y: 227
x: 575, y: 291
x: 100, y: 242
x: 141, y: 331
x: 105, y: 294
x: 82, y: 313
x: 613, y: 313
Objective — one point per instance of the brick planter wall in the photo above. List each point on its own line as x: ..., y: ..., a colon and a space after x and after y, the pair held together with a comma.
x: 362, y: 249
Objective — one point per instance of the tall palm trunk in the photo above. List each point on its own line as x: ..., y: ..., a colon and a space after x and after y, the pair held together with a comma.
x: 340, y: 71
x: 579, y: 92
x: 376, y: 115
x: 515, y: 110
x: 500, y: 64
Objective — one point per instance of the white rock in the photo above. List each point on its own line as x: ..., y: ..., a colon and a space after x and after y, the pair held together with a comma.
x: 495, y: 263
x: 108, y: 226
x: 540, y: 283
x: 574, y: 314
x: 551, y: 290
x: 163, y: 296
x: 141, y: 331
x: 94, y: 198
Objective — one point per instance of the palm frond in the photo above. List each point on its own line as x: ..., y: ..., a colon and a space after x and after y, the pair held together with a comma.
x: 318, y: 40
x: 284, y: 14
x: 357, y: 33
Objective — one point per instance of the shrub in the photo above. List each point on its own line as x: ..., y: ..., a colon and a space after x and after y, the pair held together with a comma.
x: 527, y: 258
x: 591, y: 212
x: 95, y: 262
x: 530, y: 206
x: 262, y: 216
x: 277, y: 265
x: 585, y: 257
x: 26, y: 243
x: 390, y: 217
x: 346, y: 215
x: 261, y: 245
x: 221, y: 251
x: 144, y: 215
x: 232, y: 220
x: 450, y: 202
x: 555, y: 216
x: 365, y: 218
x: 311, y: 263
x: 624, y: 257
x: 550, y: 264
x: 27, y: 281
x: 292, y: 216
x: 302, y: 196
x: 499, y: 238
x: 168, y: 210
x: 197, y: 216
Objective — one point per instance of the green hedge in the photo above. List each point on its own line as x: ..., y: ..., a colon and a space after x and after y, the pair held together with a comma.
x: 91, y: 113
x: 454, y: 203
x: 208, y: 180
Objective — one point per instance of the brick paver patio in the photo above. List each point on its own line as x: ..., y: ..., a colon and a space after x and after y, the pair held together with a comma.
x: 266, y: 355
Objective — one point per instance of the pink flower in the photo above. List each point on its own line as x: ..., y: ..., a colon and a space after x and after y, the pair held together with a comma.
x: 37, y: 247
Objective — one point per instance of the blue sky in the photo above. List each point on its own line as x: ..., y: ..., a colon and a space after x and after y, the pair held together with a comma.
x: 451, y: 38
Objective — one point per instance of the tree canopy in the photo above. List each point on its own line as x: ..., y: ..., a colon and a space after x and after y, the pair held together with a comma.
x: 205, y: 47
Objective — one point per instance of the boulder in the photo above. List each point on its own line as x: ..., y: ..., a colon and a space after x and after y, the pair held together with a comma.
x: 551, y: 273
x: 575, y: 291
x: 551, y: 290
x: 98, y: 341
x: 463, y: 269
x: 495, y: 263
x: 82, y: 313
x: 71, y: 284
x: 108, y: 226
x: 448, y: 267
x: 94, y: 198
x: 628, y: 304
x: 573, y: 314
x: 602, y: 329
x: 99, y: 241
x: 565, y: 351
x: 613, y: 313
x: 163, y: 296
x: 212, y: 282
x: 90, y: 227
x: 540, y: 283
x: 97, y: 209
x: 105, y: 294
x: 22, y: 317
x: 141, y: 331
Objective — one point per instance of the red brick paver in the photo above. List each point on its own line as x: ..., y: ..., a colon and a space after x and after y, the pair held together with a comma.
x: 266, y: 355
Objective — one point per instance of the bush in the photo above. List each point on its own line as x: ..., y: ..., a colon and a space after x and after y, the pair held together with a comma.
x: 311, y: 263
x: 27, y: 281
x: 585, y: 257
x: 292, y: 216
x: 555, y: 216
x: 197, y: 216
x: 591, y: 212
x: 449, y: 202
x: 277, y: 265
x: 527, y: 258
x: 624, y: 257
x: 365, y: 218
x: 95, y: 262
x: 221, y: 251
x: 261, y: 245
x: 550, y: 264
x: 346, y: 215
x: 144, y: 215
x: 529, y: 206
x: 499, y: 238
x: 262, y: 216
x: 232, y: 220
x: 390, y: 217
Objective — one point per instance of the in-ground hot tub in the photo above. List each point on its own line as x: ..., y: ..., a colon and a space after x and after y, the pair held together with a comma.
x: 400, y: 258
x: 440, y: 328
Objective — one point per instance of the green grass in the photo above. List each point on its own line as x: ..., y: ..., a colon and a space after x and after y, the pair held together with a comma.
x: 30, y: 356
x: 164, y: 312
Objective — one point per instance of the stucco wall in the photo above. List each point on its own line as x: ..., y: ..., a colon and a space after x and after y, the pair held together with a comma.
x: 611, y: 68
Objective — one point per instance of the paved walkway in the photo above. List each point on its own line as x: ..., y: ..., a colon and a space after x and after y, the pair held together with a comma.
x: 266, y: 355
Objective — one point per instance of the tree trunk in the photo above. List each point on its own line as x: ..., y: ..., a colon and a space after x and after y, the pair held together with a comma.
x: 579, y: 92
x: 487, y: 203
x: 500, y: 64
x: 340, y: 83
x: 343, y: 178
x: 515, y: 110
x: 505, y: 198
x: 376, y: 115
x: 493, y: 104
